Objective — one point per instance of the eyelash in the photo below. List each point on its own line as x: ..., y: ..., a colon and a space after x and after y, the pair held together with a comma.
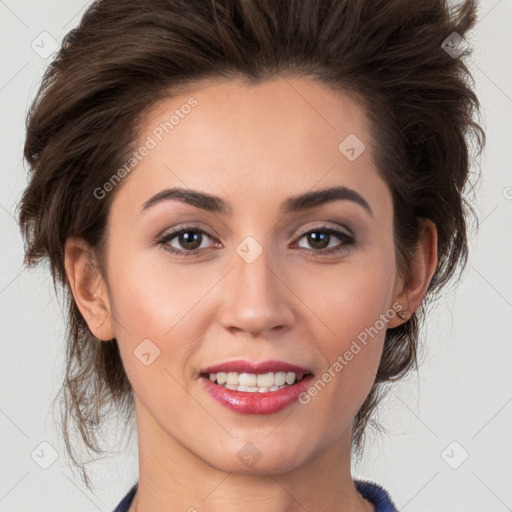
x: 347, y: 240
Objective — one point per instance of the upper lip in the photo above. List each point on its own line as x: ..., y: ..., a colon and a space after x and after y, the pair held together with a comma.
x: 242, y: 366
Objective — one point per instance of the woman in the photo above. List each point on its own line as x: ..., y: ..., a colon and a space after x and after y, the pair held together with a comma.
x: 248, y: 204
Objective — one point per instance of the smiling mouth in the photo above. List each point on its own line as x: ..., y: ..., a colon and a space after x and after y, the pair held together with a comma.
x: 255, y: 382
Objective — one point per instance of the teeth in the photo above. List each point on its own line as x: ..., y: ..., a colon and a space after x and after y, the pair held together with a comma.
x: 265, y: 380
x: 290, y: 378
x: 232, y: 379
x: 255, y: 383
x: 247, y: 379
x: 280, y: 378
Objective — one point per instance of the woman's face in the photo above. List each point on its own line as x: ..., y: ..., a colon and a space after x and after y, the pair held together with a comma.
x: 258, y: 276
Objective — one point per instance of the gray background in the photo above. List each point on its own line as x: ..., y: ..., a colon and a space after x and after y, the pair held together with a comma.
x: 462, y: 394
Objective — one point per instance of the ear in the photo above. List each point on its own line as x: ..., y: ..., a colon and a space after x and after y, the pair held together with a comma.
x: 88, y: 288
x: 411, y: 291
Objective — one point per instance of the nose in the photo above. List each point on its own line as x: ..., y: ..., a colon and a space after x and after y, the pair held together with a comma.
x: 257, y: 297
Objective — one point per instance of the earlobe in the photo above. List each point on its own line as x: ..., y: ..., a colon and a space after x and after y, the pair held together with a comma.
x: 422, y: 269
x: 88, y: 288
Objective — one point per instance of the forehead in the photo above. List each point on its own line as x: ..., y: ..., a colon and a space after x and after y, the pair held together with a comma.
x: 283, y: 135
x: 238, y: 111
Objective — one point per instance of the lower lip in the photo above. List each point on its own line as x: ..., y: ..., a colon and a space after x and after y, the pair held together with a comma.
x: 244, y: 402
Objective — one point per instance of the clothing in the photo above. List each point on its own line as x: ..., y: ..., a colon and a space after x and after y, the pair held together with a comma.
x: 373, y: 492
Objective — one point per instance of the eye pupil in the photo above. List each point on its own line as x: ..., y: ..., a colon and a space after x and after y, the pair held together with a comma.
x: 186, y: 240
x: 317, y: 239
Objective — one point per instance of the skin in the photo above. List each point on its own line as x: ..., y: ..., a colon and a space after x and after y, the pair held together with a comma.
x: 253, y: 146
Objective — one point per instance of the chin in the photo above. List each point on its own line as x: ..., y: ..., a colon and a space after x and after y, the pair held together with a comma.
x: 261, y: 457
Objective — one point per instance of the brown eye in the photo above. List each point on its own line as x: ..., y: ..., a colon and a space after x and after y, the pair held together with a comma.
x: 318, y: 239
x: 323, y: 240
x: 190, y: 240
x: 186, y: 241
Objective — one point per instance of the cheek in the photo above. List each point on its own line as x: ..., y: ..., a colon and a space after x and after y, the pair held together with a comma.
x: 152, y: 297
x: 153, y: 305
x: 168, y: 304
x: 349, y: 297
x: 351, y: 306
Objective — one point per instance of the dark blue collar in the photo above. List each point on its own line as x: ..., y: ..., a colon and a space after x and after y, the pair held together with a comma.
x: 371, y: 491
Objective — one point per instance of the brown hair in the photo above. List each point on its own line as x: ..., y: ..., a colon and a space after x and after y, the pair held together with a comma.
x: 125, y: 56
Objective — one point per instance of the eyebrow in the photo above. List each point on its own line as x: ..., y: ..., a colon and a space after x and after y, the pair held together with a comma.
x: 298, y: 203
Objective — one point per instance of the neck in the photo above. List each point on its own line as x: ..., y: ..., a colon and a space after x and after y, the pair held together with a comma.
x: 172, y: 478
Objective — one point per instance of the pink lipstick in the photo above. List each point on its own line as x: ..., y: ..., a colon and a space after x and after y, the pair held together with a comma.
x: 255, y: 388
